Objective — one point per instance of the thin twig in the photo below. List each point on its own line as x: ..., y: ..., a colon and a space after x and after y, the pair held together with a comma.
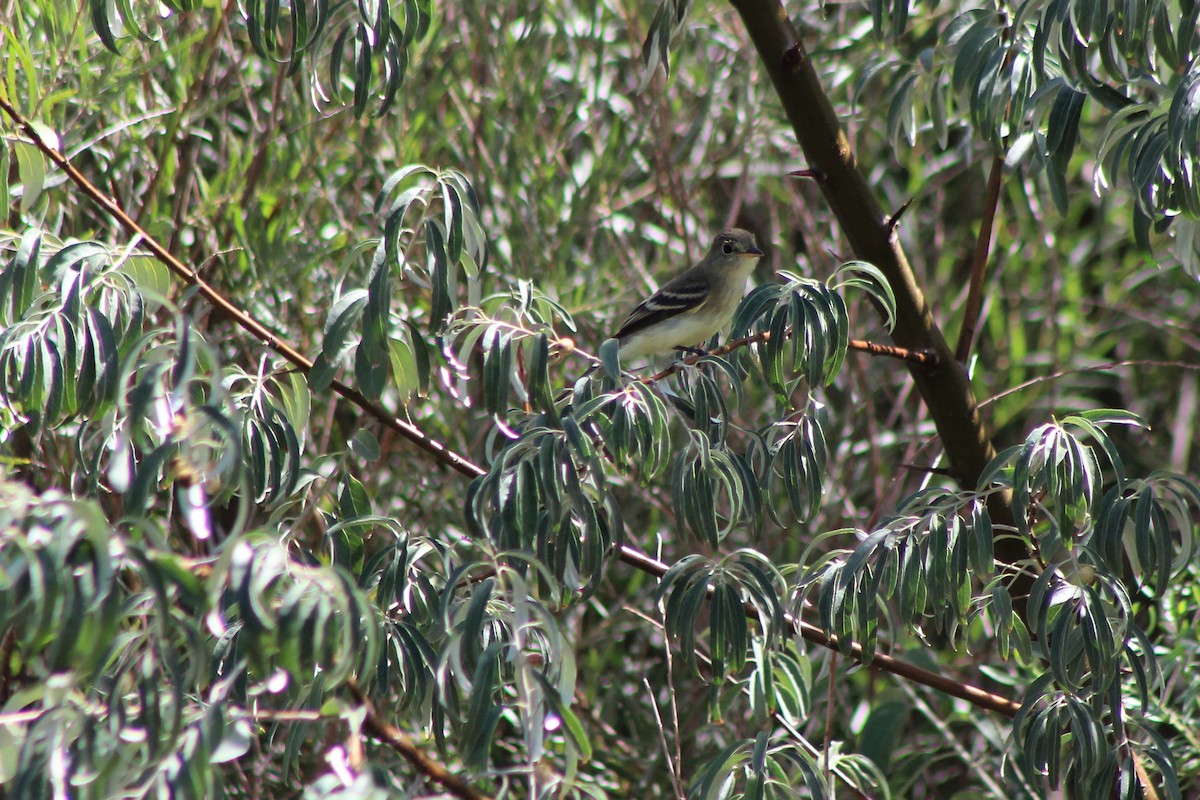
x: 677, y: 767
x: 704, y: 667
x: 1020, y: 387
x: 673, y: 763
x: 953, y: 741
x: 8, y: 643
x: 813, y: 173
x: 979, y: 263
x: 893, y: 221
x: 926, y: 357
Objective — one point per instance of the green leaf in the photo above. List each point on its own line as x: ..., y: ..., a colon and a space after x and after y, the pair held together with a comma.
x: 482, y: 714
x: 19, y: 280
x: 31, y: 170
x: 343, y: 318
x: 882, y: 733
x: 867, y: 277
x: 438, y: 265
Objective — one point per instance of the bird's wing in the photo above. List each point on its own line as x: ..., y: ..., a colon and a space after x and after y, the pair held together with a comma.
x: 680, y: 294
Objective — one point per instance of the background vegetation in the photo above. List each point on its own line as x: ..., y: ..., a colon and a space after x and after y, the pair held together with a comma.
x: 306, y: 492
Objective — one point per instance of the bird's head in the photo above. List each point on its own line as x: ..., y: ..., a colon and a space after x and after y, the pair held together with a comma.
x: 735, y: 245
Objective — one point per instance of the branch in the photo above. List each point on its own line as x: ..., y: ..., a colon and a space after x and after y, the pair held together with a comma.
x: 884, y: 663
x: 399, y: 741
x: 927, y: 358
x: 966, y: 336
x: 1020, y: 387
x: 945, y: 389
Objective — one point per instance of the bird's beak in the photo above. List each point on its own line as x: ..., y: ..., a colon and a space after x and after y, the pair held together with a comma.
x: 753, y: 252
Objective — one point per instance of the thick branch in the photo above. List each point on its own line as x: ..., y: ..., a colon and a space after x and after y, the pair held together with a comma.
x: 945, y: 388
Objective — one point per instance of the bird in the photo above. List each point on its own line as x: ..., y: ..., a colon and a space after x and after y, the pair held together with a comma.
x: 693, y: 305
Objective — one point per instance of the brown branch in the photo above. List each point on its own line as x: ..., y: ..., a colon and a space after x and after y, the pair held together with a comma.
x: 966, y: 336
x: 884, y: 663
x: 396, y: 739
x: 461, y: 464
x: 244, y: 320
x: 893, y: 221
x: 927, y: 358
x: 946, y: 389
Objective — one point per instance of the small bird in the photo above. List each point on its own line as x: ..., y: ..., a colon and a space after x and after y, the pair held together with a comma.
x: 695, y: 304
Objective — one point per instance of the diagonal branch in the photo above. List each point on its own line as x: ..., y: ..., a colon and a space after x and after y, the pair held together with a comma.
x: 244, y: 320
x: 398, y: 740
x: 884, y: 663
x: 946, y: 388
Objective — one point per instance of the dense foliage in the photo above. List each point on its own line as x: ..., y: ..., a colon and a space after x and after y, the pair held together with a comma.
x: 319, y: 480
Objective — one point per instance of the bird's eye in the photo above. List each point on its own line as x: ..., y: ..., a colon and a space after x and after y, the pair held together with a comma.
x: 727, y: 248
